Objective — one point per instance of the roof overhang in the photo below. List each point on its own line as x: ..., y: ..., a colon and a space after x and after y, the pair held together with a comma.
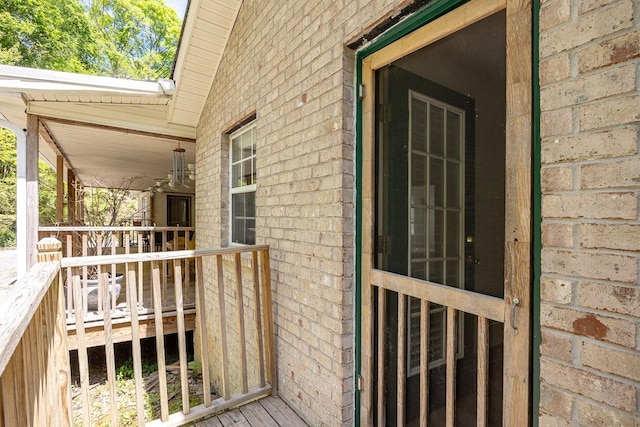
x: 110, y: 129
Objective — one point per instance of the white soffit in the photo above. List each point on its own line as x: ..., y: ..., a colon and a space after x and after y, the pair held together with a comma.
x: 206, y: 32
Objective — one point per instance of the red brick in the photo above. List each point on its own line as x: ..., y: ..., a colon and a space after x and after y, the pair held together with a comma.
x: 610, y: 52
x: 555, y: 68
x: 602, y: 389
x: 591, y: 146
x: 559, y: 235
x: 556, y: 402
x: 555, y: 346
x: 592, y: 415
x: 624, y: 237
x: 555, y: 290
x: 590, y: 205
x: 620, y: 174
x: 608, y: 329
x: 556, y: 179
x: 609, y: 112
x: 557, y: 122
x: 613, y: 298
x: 617, y: 268
x: 592, y: 87
x: 625, y: 364
x: 554, y: 13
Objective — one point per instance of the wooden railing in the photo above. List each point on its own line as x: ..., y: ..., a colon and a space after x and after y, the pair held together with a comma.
x: 237, y: 365
x: 34, y: 360
x: 239, y: 289
x: 88, y: 241
x: 97, y: 241
x: 390, y: 299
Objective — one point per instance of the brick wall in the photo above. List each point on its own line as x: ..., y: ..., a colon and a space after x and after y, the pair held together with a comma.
x: 590, y: 301
x: 287, y: 61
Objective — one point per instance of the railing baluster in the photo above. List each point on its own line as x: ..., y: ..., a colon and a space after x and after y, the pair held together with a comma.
x: 451, y: 366
x: 401, y: 360
x: 162, y: 369
x: 101, y: 295
x: 85, y: 274
x: 241, y: 331
x: 223, y: 329
x: 140, y: 303
x: 135, y: 339
x: 83, y: 360
x: 483, y: 370
x: 382, y: 309
x: 113, y: 275
x: 182, y: 345
x: 267, y: 304
x: 424, y: 361
x: 258, y: 317
x: 164, y: 269
x: 201, y: 313
x: 69, y: 287
x: 103, y: 286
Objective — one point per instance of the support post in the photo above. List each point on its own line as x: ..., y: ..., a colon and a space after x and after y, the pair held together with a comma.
x: 71, y: 196
x: 59, y: 188
x: 31, y: 189
x: 21, y: 207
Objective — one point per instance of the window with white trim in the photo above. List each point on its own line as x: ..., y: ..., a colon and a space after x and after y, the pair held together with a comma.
x: 243, y: 185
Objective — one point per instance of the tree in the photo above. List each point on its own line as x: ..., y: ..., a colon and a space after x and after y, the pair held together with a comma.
x: 46, y: 190
x: 138, y: 37
x: 48, y: 34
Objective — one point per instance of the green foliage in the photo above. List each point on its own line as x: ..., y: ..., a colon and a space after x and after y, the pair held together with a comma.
x: 49, y: 34
x: 125, y: 371
x: 120, y: 38
x: 139, y: 37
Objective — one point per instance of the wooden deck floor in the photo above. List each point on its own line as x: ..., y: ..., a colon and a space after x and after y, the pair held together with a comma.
x: 268, y: 412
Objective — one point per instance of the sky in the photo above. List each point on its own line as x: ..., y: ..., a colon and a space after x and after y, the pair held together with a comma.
x: 178, y: 5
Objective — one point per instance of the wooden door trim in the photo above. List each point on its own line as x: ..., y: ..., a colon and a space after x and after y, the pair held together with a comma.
x: 517, y: 190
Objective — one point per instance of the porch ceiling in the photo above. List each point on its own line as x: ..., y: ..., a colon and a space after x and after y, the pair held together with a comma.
x: 110, y: 129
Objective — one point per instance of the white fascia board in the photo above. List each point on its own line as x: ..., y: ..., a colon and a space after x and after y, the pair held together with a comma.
x: 24, y: 79
x: 135, y: 117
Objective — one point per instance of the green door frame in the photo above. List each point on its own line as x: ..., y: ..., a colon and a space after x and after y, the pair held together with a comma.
x: 428, y: 13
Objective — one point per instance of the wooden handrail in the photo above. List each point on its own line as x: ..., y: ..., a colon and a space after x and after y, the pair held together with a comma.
x: 155, y: 256
x: 34, y: 361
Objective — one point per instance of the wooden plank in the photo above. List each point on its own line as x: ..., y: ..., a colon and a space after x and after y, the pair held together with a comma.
x: 258, y: 318
x: 59, y: 188
x: 518, y: 192
x: 226, y: 394
x: 218, y: 405
x: 281, y: 413
x: 267, y: 317
x: 447, y: 24
x: 451, y: 366
x: 18, y: 305
x: 162, y: 370
x: 103, y: 288
x: 401, y: 358
x: 83, y: 360
x: 204, y: 332
x: 69, y: 287
x: 381, y: 359
x: 9, y: 398
x: 483, y: 371
x: 135, y: 341
x: 242, y: 345
x: 233, y: 418
x: 61, y: 357
x: 155, y: 256
x: 257, y: 415
x: 466, y: 301
x: 209, y: 422
x: 121, y: 331
x: 182, y: 344
x: 425, y: 333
